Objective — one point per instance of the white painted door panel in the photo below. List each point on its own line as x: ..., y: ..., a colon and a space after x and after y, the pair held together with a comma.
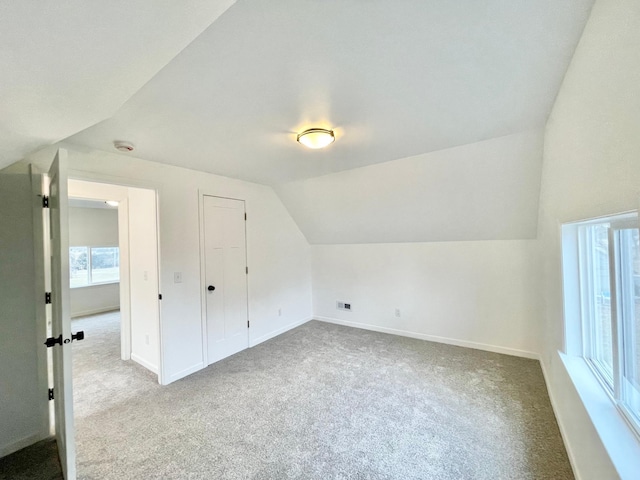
x: 225, y: 270
x: 60, y: 314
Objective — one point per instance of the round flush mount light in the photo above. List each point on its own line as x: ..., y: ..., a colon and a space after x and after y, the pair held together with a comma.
x: 316, y: 137
x: 123, y: 146
x: 112, y: 203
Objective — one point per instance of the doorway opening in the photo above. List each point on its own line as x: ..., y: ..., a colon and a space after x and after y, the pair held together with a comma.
x: 135, y: 230
x: 114, y: 285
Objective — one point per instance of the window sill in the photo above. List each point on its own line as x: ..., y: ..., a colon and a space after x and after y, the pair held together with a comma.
x: 620, y: 442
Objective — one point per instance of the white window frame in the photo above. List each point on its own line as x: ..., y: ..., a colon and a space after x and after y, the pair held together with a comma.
x: 91, y: 283
x: 578, y: 310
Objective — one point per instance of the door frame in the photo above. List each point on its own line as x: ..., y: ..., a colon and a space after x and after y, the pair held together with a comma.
x: 42, y: 277
x: 134, y: 183
x: 203, y: 297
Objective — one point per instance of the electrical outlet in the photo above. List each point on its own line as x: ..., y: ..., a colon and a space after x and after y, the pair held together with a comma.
x: 146, y: 275
x: 146, y: 339
x: 279, y: 312
x: 397, y: 312
x: 343, y: 306
x: 177, y: 277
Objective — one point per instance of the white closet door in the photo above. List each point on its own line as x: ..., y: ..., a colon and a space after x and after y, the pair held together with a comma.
x: 225, y: 277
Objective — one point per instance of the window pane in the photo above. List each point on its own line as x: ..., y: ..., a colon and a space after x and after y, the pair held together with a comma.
x: 629, y: 292
x: 79, y: 274
x: 105, y: 264
x: 598, y: 300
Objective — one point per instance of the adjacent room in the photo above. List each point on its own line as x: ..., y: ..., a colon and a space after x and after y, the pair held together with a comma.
x: 320, y: 240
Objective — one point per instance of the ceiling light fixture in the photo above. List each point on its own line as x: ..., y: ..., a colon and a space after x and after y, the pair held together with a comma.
x: 316, y: 137
x: 112, y: 203
x: 123, y: 146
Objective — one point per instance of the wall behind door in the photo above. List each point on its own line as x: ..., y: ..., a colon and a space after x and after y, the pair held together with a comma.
x: 23, y: 419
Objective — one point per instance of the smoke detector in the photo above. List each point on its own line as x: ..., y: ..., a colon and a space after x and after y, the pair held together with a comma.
x: 123, y: 146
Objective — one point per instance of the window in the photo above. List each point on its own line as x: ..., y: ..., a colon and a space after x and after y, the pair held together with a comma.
x: 93, y: 265
x: 607, y: 302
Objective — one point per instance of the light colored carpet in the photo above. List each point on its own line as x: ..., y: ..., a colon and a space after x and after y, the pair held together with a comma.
x: 318, y: 402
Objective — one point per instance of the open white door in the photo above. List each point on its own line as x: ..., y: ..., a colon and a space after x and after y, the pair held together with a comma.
x: 60, y: 314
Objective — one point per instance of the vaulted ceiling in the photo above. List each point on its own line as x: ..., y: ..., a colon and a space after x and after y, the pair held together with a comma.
x: 224, y: 87
x: 69, y: 64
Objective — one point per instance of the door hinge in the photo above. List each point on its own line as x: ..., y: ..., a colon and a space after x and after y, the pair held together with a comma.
x: 47, y: 298
x: 247, y: 270
x: 45, y: 201
x: 159, y: 296
x: 247, y: 323
x: 51, y: 394
x: 245, y: 216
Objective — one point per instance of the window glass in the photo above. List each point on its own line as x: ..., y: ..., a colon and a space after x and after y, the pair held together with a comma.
x: 105, y: 264
x: 628, y: 244
x: 93, y: 265
x: 597, y: 299
x: 78, y: 266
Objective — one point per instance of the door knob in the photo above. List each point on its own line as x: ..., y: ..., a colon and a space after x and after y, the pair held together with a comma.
x: 211, y: 288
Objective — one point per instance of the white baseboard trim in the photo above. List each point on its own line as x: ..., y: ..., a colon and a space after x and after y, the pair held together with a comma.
x: 95, y: 311
x: 144, y: 363
x: 433, y: 338
x: 183, y: 373
x: 561, y: 425
x: 279, y: 331
x: 22, y: 443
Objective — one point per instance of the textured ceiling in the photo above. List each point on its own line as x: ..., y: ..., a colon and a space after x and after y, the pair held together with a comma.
x: 395, y: 79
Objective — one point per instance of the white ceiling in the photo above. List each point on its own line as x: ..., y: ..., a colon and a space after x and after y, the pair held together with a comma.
x: 395, y: 79
x: 69, y: 64
x: 438, y: 106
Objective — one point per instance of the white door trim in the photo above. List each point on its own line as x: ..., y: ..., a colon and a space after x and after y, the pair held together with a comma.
x: 134, y: 183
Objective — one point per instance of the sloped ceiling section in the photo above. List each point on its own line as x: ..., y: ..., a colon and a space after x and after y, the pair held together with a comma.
x: 69, y: 64
x: 395, y: 79
x: 438, y: 105
x: 482, y: 191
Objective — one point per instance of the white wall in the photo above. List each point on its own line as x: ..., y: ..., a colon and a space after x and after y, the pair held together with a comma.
x: 94, y: 299
x: 277, y: 252
x: 483, y: 191
x: 143, y: 278
x: 476, y: 294
x: 591, y: 168
x: 93, y: 227
x: 23, y: 390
